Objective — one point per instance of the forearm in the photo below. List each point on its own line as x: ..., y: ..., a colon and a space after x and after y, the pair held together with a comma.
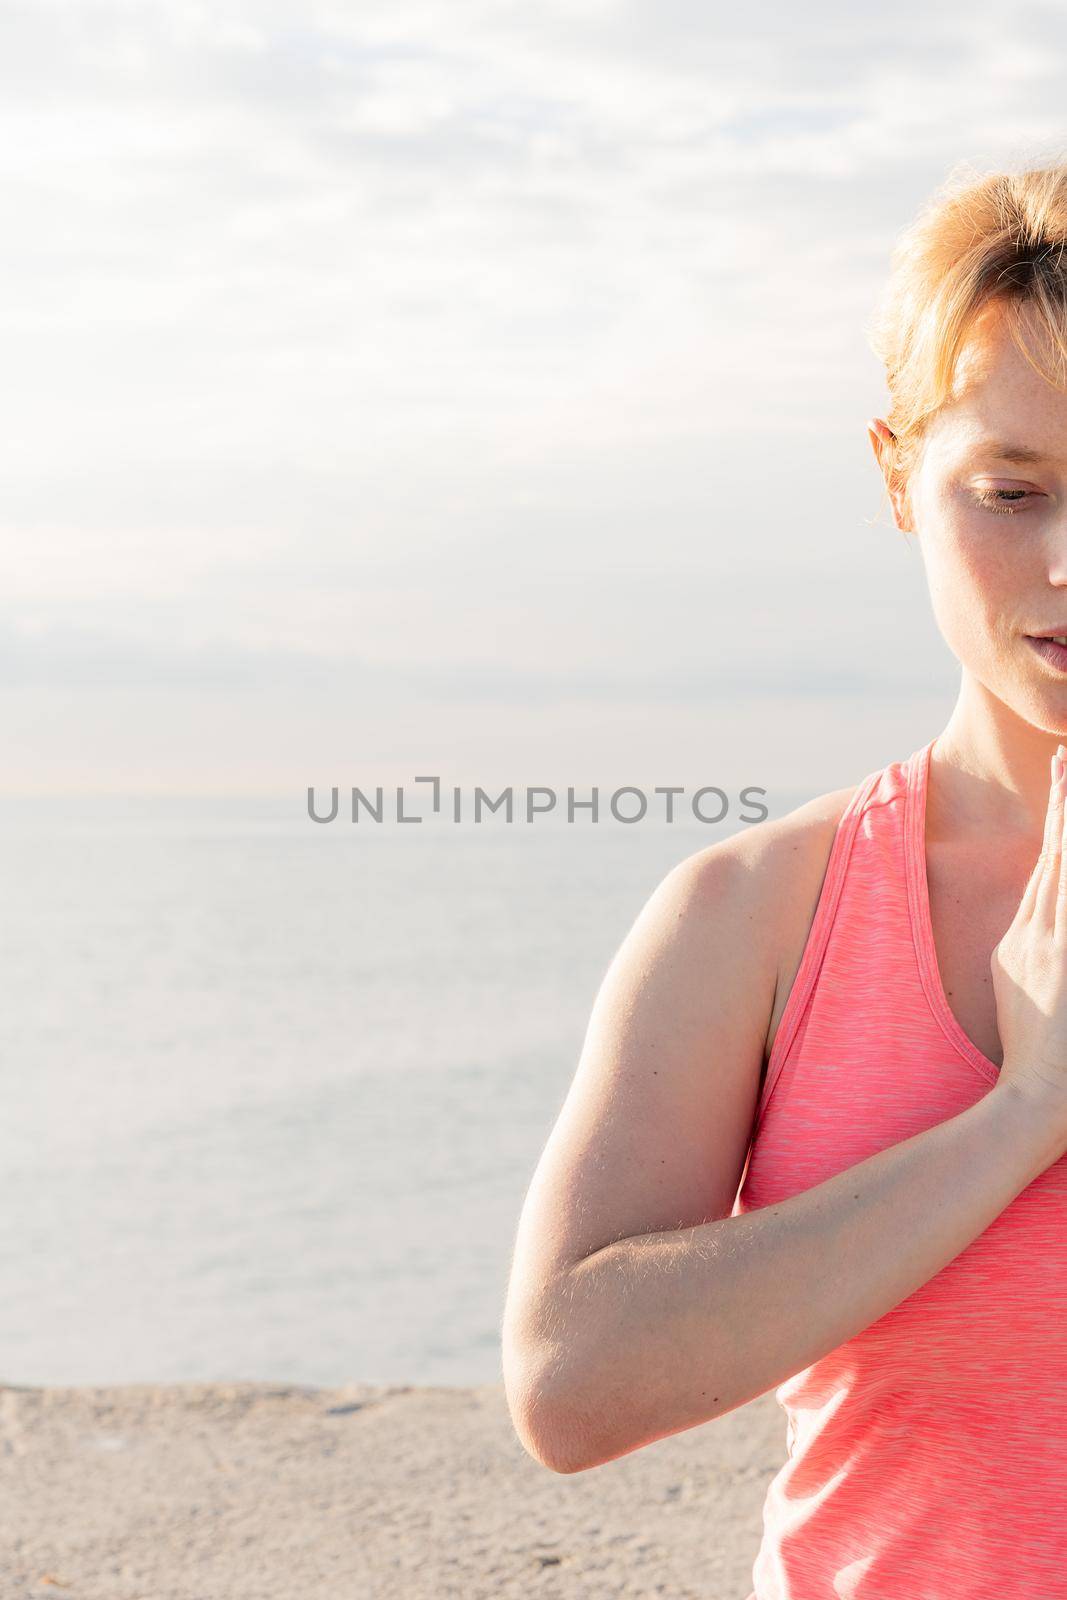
x: 668, y: 1330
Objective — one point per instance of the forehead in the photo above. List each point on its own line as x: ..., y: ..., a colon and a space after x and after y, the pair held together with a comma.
x: 1000, y: 405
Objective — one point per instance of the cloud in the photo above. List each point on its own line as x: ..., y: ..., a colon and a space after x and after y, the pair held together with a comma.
x: 320, y: 322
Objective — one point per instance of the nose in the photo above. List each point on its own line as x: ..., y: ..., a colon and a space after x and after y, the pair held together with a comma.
x: 1057, y: 559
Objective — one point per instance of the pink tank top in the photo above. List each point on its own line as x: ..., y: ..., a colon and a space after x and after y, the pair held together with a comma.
x: 927, y: 1455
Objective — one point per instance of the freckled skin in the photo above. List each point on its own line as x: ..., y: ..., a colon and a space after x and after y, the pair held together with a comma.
x: 990, y: 526
x: 995, y: 576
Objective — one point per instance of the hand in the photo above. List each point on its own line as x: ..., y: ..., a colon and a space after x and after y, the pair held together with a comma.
x: 1029, y: 968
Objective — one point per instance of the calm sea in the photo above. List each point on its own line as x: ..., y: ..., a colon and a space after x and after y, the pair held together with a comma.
x: 272, y: 1092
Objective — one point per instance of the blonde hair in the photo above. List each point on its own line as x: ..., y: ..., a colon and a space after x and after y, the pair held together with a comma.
x: 980, y: 239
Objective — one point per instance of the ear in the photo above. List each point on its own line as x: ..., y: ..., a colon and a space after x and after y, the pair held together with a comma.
x: 884, y: 444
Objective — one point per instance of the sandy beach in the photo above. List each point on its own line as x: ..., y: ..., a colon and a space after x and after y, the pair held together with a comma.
x: 251, y: 1491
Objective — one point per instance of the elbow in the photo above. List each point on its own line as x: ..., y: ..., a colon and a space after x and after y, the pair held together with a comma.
x: 552, y: 1430
x: 552, y: 1444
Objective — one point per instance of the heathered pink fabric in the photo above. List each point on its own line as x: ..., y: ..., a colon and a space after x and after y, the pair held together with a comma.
x: 927, y: 1455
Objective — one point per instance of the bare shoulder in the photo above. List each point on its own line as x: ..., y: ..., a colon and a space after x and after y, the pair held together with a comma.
x: 770, y: 875
x: 762, y: 846
x: 769, y: 867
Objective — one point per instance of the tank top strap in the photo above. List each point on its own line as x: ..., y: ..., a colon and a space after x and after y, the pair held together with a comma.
x: 882, y: 785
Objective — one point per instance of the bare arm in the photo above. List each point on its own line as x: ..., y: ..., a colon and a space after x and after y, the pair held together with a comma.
x: 638, y: 1305
x: 654, y: 1131
x: 663, y: 1332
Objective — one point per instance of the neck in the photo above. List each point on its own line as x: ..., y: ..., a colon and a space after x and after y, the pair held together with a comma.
x: 990, y: 769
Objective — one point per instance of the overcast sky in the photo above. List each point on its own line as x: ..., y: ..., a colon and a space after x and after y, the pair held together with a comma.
x: 472, y: 388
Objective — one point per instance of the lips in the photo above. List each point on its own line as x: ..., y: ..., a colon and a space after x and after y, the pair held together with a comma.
x: 1050, y: 650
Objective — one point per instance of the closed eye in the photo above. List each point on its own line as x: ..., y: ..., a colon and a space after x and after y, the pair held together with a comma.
x: 1002, y: 502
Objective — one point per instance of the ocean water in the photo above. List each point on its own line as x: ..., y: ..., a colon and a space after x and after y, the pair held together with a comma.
x: 272, y: 1092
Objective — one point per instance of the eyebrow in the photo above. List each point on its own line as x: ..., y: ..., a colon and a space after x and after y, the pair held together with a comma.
x: 1003, y: 451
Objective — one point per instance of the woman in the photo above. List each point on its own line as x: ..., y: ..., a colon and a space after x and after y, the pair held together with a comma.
x: 867, y: 999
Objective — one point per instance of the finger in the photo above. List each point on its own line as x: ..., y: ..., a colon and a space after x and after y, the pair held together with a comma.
x: 1038, y: 898
x: 1059, y: 924
x: 1046, y: 868
x: 1048, y: 882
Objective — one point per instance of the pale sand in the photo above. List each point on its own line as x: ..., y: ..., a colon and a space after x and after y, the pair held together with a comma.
x: 251, y: 1491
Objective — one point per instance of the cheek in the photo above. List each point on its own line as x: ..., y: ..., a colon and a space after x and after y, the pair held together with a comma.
x: 972, y: 577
